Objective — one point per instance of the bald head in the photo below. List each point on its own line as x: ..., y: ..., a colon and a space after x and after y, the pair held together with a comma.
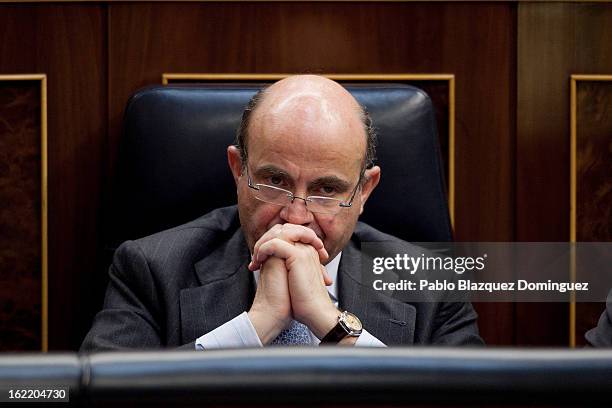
x: 309, y: 92
x: 305, y: 100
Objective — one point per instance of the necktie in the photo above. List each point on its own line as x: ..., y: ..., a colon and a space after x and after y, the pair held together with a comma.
x: 296, y: 334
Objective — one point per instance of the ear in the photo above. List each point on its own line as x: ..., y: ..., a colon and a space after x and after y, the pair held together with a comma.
x: 235, y: 162
x: 372, y: 177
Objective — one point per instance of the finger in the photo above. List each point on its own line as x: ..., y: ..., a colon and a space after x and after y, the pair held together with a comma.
x: 298, y: 233
x: 290, y: 233
x: 258, y: 260
x: 278, y: 248
x: 323, y: 255
x: 327, y: 280
x: 268, y: 235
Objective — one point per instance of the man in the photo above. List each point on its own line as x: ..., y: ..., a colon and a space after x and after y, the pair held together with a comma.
x: 601, y: 335
x: 282, y: 267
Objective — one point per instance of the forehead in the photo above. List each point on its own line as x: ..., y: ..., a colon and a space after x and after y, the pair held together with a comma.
x: 310, y: 132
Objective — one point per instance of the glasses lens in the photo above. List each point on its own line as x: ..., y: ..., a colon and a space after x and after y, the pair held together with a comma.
x: 279, y: 196
x: 324, y: 205
x: 273, y: 195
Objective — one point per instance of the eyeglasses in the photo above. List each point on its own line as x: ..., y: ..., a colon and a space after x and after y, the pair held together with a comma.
x: 315, y: 204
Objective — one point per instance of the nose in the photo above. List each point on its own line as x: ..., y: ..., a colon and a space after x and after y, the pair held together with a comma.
x: 297, y: 213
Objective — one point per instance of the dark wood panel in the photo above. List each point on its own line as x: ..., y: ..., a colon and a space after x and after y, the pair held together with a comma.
x: 77, y: 113
x: 594, y: 160
x: 67, y: 42
x: 496, y: 322
x: 20, y: 215
x: 593, y: 179
x: 543, y: 152
x: 554, y: 41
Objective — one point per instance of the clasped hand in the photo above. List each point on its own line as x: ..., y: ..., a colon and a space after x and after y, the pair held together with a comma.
x: 292, y: 282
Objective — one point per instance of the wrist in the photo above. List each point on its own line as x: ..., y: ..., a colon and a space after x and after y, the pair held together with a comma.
x: 348, y: 341
x: 267, y: 327
x: 325, y: 322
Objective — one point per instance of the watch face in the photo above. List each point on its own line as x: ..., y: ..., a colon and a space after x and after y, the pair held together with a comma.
x: 352, y: 322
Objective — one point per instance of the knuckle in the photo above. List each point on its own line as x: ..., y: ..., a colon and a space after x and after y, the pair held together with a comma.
x: 274, y: 242
x: 305, y: 230
x: 308, y: 250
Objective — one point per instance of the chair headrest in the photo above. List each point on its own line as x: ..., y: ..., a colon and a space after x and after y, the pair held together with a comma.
x: 173, y: 166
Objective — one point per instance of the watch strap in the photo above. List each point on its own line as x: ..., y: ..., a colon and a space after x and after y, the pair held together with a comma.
x: 335, y: 335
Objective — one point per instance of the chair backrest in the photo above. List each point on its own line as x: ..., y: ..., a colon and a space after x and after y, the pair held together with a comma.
x: 173, y: 165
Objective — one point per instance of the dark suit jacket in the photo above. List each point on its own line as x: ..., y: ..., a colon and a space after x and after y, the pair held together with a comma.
x: 601, y: 335
x: 170, y: 288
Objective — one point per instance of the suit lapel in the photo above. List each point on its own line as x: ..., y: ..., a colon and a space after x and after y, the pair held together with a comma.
x: 388, y: 319
x: 226, y: 289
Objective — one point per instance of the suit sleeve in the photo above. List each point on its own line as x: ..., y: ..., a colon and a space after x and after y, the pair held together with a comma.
x: 130, y: 316
x: 456, y: 325
x: 601, y: 335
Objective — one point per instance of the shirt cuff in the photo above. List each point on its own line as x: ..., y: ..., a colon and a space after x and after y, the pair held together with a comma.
x: 365, y: 339
x: 237, y: 333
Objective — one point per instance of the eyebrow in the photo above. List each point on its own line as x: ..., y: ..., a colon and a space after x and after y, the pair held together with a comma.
x: 270, y: 170
x: 332, y: 181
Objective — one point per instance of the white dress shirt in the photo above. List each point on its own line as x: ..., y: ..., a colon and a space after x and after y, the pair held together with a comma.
x: 239, y: 332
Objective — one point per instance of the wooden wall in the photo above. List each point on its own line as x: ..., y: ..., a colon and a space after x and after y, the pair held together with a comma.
x: 68, y: 43
x: 511, y: 61
x: 554, y: 41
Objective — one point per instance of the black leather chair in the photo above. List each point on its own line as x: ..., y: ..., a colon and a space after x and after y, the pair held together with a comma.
x: 173, y: 165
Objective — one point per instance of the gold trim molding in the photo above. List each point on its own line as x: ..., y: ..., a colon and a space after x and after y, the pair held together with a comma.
x: 44, y: 203
x: 574, y: 79
x: 450, y: 78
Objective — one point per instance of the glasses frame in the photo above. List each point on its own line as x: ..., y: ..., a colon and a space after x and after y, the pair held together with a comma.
x: 293, y: 197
